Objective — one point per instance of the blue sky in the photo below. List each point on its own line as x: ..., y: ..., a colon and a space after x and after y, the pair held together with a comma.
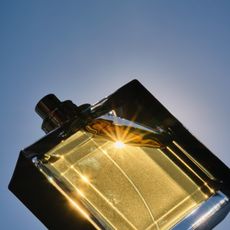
x: 84, y: 50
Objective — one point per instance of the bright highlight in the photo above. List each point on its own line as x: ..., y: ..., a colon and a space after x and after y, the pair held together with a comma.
x: 119, y: 144
x: 85, y: 179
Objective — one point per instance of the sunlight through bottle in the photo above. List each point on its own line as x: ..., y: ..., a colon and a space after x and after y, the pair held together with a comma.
x: 123, y: 163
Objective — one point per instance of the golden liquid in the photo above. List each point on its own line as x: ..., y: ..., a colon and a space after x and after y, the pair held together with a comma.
x: 125, y: 187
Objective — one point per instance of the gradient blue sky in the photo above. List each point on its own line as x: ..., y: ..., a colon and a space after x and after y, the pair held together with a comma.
x: 84, y: 50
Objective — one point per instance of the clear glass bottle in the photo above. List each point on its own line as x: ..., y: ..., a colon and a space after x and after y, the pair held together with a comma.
x: 124, y: 165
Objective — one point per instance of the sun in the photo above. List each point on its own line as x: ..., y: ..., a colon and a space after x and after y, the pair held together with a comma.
x: 119, y: 144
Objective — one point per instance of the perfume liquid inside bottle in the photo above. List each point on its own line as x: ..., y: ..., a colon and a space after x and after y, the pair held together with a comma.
x: 120, y: 175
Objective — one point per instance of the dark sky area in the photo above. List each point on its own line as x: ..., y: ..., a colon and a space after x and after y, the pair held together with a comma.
x: 84, y: 50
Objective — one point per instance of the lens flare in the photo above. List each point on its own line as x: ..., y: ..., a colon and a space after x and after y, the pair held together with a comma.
x: 119, y: 144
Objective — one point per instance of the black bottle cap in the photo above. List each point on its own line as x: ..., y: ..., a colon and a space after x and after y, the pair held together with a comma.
x: 47, y: 105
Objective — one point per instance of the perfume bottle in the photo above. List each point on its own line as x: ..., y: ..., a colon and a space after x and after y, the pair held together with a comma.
x: 122, y: 163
